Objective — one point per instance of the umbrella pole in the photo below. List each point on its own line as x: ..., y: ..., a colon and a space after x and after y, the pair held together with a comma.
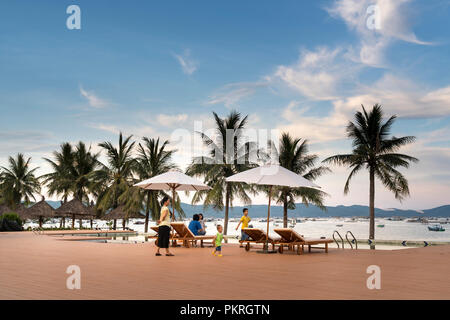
x: 268, y: 217
x: 174, y: 242
x: 173, y: 200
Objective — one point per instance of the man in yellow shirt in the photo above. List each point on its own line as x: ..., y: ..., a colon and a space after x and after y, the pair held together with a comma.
x: 244, y: 220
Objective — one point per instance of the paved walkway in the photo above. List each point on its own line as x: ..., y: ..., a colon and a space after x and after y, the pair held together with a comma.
x: 34, y: 267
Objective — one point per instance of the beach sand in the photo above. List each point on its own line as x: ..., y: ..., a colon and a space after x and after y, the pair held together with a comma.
x: 34, y: 267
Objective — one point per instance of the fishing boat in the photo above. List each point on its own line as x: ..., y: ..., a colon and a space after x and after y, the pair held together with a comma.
x: 436, y: 228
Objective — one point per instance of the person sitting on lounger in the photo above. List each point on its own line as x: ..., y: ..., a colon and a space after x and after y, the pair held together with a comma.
x: 195, y: 226
x: 244, y: 220
x: 202, y: 222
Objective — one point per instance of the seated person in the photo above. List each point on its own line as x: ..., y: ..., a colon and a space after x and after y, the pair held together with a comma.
x: 202, y: 222
x: 195, y: 226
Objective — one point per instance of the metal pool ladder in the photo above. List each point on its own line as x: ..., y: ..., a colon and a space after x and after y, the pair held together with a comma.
x: 339, y: 235
x: 350, y: 242
x: 354, y: 241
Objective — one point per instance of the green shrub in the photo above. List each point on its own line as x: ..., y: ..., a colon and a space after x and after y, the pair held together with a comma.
x: 12, y: 216
x: 10, y: 222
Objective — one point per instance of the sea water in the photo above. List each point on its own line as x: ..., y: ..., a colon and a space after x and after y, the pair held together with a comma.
x: 310, y: 228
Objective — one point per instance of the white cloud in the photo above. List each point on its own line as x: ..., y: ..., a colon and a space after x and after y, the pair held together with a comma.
x: 231, y: 94
x: 401, y: 97
x: 394, y: 24
x: 314, y: 128
x: 188, y: 65
x: 318, y: 75
x: 93, y: 100
x: 170, y: 120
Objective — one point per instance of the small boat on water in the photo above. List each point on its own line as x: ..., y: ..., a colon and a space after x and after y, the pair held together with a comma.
x: 436, y: 228
x: 292, y: 223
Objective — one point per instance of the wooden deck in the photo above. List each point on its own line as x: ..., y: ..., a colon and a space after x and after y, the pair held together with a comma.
x: 34, y: 267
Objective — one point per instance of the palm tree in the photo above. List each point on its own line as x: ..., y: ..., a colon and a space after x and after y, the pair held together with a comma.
x: 376, y: 152
x: 18, y: 181
x: 293, y: 155
x: 60, y: 181
x: 153, y: 159
x: 221, y: 163
x: 71, y: 175
x: 72, y: 169
x: 85, y: 163
x: 115, y: 178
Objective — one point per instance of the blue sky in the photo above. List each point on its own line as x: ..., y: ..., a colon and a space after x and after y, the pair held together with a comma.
x: 150, y: 67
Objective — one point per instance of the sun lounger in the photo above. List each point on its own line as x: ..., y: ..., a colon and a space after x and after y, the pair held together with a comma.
x: 186, y: 236
x: 291, y: 238
x: 257, y: 236
x: 173, y: 236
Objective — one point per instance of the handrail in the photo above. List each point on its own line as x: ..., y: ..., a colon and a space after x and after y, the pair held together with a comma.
x: 334, y: 238
x: 353, y: 241
x: 37, y: 230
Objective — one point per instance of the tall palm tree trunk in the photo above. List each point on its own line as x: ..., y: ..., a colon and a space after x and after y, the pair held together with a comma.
x: 372, y: 207
x: 285, y: 211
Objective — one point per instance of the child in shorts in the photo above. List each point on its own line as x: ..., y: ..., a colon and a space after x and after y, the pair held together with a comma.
x: 218, y: 241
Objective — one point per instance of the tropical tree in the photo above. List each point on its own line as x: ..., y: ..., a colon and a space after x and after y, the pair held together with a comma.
x: 153, y: 159
x: 60, y: 181
x: 228, y: 154
x: 72, y: 171
x: 293, y: 154
x: 376, y: 151
x: 116, y: 177
x: 18, y: 181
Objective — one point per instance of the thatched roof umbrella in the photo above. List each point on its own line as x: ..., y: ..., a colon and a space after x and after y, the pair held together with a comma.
x: 121, y: 213
x: 75, y: 209
x: 40, y: 210
x: 21, y: 210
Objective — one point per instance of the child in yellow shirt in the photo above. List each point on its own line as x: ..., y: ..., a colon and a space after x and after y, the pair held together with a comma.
x: 244, y: 220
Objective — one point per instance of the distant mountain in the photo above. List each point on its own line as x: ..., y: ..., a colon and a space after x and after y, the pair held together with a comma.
x: 310, y: 211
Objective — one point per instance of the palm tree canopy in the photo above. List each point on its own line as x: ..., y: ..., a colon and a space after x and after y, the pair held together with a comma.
x: 18, y: 181
x: 115, y: 178
x: 374, y: 149
x: 224, y: 161
x: 72, y: 170
x: 293, y: 154
x: 154, y: 158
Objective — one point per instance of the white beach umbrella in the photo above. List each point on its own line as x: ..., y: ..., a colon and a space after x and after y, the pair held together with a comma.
x: 272, y: 175
x: 174, y: 181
